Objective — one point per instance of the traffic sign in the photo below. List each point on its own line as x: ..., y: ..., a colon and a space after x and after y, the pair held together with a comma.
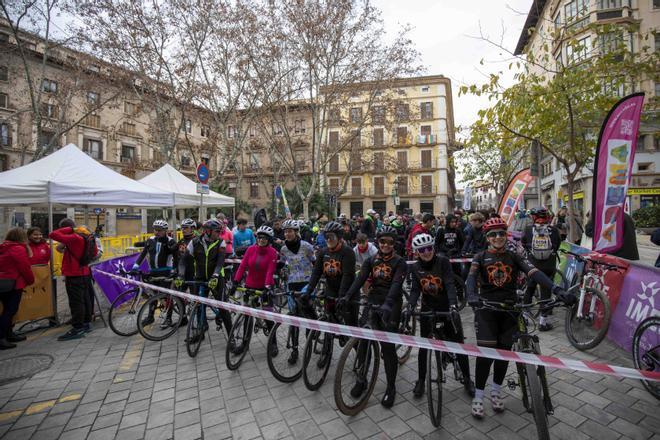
x: 203, y: 174
x: 202, y: 188
x: 98, y: 211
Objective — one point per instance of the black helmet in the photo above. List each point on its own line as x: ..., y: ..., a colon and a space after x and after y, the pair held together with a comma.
x: 212, y: 225
x: 387, y: 231
x: 538, y: 211
x: 335, y: 228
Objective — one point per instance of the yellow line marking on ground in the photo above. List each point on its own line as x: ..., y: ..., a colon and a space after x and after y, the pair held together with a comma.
x: 70, y: 398
x: 40, y: 406
x: 131, y: 357
x: 10, y: 415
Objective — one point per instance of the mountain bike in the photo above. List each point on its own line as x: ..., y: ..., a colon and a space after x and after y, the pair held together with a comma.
x: 167, y: 312
x: 122, y: 316
x: 588, y: 320
x: 646, y: 351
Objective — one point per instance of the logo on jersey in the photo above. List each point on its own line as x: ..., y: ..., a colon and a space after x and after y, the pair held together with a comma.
x: 431, y: 285
x: 382, y: 271
x: 499, y: 274
x: 332, y: 268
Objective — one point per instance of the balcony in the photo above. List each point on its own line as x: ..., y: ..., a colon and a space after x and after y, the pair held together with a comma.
x: 427, y: 139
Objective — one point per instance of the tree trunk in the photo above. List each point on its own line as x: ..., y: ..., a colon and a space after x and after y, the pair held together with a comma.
x: 572, y: 227
x: 305, y: 204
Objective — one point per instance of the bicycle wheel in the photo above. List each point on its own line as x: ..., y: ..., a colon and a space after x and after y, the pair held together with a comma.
x: 196, y: 327
x: 588, y: 330
x: 238, y: 341
x: 357, y: 371
x: 122, y: 316
x: 459, y: 284
x: 317, y: 359
x: 403, y: 351
x: 536, y: 401
x: 286, y: 366
x: 646, y: 351
x: 167, y: 312
x: 434, y: 380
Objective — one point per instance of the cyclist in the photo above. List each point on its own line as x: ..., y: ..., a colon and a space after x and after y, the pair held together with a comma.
x: 495, y: 269
x: 432, y: 278
x: 386, y: 272
x: 541, y: 241
x: 160, y: 250
x: 260, y: 263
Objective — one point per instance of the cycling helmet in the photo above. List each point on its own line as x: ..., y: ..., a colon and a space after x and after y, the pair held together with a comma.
x: 539, y: 213
x: 387, y: 231
x: 160, y: 224
x: 334, y: 227
x: 420, y: 241
x: 495, y: 223
x: 291, y: 224
x: 265, y: 230
x: 188, y: 223
x: 212, y: 225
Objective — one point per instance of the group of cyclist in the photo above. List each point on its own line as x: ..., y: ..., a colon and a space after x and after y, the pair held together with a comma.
x: 380, y: 275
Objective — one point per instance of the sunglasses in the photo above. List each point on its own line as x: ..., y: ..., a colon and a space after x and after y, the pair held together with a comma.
x: 425, y: 249
x: 330, y: 236
x: 386, y: 241
x: 496, y: 234
x: 262, y: 237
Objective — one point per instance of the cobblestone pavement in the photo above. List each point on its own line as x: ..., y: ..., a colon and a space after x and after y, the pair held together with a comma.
x: 104, y: 386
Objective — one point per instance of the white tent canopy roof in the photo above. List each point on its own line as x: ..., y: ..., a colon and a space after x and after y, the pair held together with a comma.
x: 167, y: 178
x: 71, y: 177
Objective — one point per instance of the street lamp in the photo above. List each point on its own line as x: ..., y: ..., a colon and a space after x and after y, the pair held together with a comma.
x: 395, y: 194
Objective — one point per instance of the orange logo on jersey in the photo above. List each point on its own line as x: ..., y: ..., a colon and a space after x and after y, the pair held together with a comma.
x: 499, y: 274
x: 383, y: 271
x: 332, y: 268
x: 431, y: 285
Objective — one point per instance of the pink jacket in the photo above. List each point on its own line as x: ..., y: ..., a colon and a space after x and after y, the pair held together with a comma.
x: 260, y: 263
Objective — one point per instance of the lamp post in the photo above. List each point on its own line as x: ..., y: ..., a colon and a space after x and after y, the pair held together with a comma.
x: 395, y: 194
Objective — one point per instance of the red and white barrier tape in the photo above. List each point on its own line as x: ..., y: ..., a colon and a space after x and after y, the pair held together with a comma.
x: 451, y: 260
x: 414, y: 341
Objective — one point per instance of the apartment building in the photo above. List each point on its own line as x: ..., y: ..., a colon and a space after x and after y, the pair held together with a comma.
x: 574, y: 16
x: 398, y: 159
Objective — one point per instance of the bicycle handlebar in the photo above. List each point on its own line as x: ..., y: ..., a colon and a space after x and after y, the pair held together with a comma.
x: 585, y: 258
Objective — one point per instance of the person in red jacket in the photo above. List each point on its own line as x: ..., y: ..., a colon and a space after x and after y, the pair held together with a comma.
x: 15, y: 274
x: 420, y: 228
x: 76, y: 279
x: 40, y: 248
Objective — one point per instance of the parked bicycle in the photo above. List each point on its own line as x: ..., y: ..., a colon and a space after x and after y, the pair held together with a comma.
x: 646, y: 351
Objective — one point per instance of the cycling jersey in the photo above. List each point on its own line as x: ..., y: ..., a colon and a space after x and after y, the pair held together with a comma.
x: 299, y: 257
x: 209, y: 257
x: 434, y: 280
x: 386, y: 273
x: 160, y: 251
x: 338, y: 268
x: 497, y: 272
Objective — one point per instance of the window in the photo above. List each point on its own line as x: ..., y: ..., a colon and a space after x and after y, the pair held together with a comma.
x: 231, y: 132
x: 185, y: 161
x: 254, y: 189
x: 425, y: 89
x: 5, y: 135
x: 299, y: 126
x: 333, y: 184
x: 427, y: 184
x: 379, y: 185
x: 94, y: 148
x: 49, y: 110
x: 48, y: 86
x: 557, y: 21
x: 656, y: 4
x: 378, y: 137
x: 206, y: 160
x: 130, y: 108
x: 128, y: 128
x: 252, y: 131
x: 427, y: 159
x: 4, y: 100
x: 28, y: 44
x: 379, y: 161
x: 277, y: 130
x: 610, y: 42
x: 4, y: 73
x: 356, y: 160
x: 425, y: 130
x: 355, y: 140
x: 402, y: 112
x: 333, y: 139
x: 356, y: 186
x: 93, y: 98
x: 644, y: 167
x: 127, y: 153
x: 205, y: 130
x: 612, y: 4
x: 93, y: 120
x: 402, y: 185
x: 426, y: 110
x: 401, y: 135
x: 333, y: 164
x: 579, y: 51
x: 356, y: 115
x: 46, y: 137
x: 402, y: 159
x: 378, y: 115
x: 188, y: 126
x: 575, y: 9
x: 657, y: 90
x: 335, y: 116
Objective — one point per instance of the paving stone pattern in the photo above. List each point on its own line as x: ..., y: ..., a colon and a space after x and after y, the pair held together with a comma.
x: 104, y: 386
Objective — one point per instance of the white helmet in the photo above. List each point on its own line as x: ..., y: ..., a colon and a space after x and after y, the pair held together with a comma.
x: 266, y: 230
x: 420, y: 241
x: 188, y: 223
x: 291, y: 224
x: 160, y: 224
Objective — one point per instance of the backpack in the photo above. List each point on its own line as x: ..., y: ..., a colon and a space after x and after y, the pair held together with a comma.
x: 541, y: 242
x: 90, y: 251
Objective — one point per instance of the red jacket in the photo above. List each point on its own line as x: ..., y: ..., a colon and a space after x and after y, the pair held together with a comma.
x: 260, y: 263
x: 40, y: 253
x: 75, y: 246
x: 14, y: 264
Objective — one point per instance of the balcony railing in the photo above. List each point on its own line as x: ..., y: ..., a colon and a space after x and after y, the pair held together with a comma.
x: 427, y: 139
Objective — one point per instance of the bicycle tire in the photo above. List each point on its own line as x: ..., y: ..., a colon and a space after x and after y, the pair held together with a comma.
x: 575, y: 324
x: 536, y: 401
x: 195, y: 331
x: 322, y: 344
x: 403, y: 351
x: 122, y: 316
x: 372, y: 354
x: 638, y: 353
x: 241, y: 331
x: 279, y: 365
x: 434, y: 385
x: 461, y: 300
x: 162, y: 302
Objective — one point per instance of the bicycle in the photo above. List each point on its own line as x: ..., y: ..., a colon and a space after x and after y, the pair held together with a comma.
x: 168, y: 312
x: 122, y: 316
x: 588, y: 320
x: 437, y: 362
x: 287, y: 368
x: 646, y: 351
x: 357, y: 368
x: 531, y: 378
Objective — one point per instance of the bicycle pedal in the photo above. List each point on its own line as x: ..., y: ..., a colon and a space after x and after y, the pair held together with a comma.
x: 511, y: 384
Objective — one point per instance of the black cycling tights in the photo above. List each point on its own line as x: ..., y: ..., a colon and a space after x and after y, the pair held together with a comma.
x: 482, y: 370
x: 391, y: 362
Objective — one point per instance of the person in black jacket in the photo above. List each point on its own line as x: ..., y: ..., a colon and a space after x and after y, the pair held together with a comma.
x: 449, y: 240
x: 386, y: 271
x: 368, y: 226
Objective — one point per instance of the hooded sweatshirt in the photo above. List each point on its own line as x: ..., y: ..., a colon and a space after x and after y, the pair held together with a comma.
x: 260, y: 263
x: 75, y: 246
x: 14, y: 264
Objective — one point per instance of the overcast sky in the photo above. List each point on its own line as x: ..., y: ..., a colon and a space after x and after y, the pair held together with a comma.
x: 443, y: 33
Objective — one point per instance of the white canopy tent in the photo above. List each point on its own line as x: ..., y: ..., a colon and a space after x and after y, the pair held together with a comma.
x: 167, y: 178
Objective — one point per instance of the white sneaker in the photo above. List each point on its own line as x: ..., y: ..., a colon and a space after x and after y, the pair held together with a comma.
x: 497, y: 402
x: 477, y: 408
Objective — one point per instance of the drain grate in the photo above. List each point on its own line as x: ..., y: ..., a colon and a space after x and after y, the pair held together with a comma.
x: 22, y: 366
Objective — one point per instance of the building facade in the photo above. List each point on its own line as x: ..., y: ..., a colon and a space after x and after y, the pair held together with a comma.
x: 575, y: 16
